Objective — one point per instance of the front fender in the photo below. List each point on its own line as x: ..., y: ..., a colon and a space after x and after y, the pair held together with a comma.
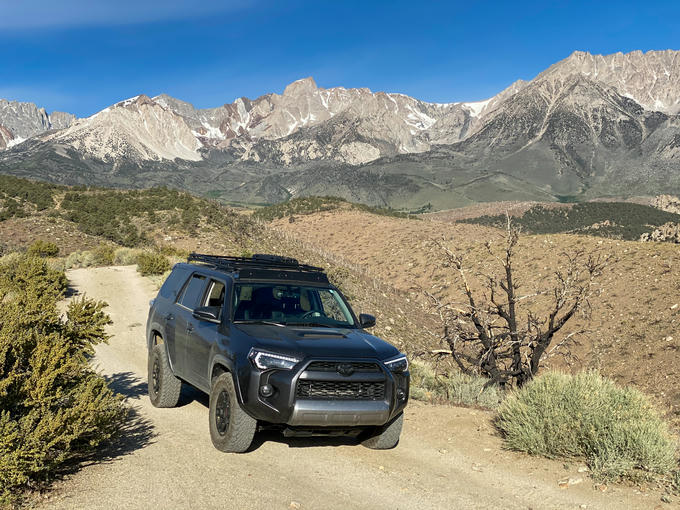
x: 229, y: 365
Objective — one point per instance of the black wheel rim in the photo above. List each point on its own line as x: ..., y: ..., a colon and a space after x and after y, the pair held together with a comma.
x: 156, y: 376
x: 222, y: 413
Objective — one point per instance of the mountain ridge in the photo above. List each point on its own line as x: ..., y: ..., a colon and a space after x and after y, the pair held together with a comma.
x: 588, y: 125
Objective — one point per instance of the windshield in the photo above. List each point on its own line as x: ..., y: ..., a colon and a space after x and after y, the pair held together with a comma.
x: 290, y: 304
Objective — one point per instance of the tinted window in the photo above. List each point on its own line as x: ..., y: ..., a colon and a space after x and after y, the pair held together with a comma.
x: 173, y: 284
x: 192, y: 292
x: 215, y: 294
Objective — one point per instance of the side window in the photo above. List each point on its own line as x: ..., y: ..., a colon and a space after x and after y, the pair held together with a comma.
x: 192, y: 292
x: 215, y: 294
x: 173, y: 284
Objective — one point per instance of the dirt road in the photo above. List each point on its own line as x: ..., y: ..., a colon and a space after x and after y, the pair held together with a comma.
x: 447, y: 458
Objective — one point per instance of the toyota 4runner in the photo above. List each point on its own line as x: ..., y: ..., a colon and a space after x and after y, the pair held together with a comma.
x: 274, y: 345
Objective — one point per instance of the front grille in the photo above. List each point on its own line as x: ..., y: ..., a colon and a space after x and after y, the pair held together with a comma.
x: 341, y: 390
x: 332, y: 366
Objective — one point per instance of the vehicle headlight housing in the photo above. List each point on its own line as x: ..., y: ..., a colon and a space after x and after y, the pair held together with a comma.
x: 269, y: 360
x: 398, y: 364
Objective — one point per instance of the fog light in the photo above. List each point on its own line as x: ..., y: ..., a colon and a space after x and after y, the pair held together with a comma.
x: 400, y: 394
x: 266, y: 390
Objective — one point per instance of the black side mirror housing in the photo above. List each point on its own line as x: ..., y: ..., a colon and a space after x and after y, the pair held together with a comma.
x: 207, y: 313
x: 366, y: 320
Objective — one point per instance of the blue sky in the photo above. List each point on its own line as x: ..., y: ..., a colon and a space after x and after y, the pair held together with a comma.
x: 80, y: 56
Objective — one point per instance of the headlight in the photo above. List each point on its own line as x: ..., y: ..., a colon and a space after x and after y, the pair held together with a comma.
x: 399, y: 364
x: 268, y: 360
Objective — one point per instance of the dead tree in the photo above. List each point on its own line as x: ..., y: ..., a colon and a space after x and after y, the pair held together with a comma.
x: 496, y: 331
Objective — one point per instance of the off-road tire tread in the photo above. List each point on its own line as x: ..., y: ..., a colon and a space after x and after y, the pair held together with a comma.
x: 242, y: 427
x: 170, y: 386
x: 386, y: 437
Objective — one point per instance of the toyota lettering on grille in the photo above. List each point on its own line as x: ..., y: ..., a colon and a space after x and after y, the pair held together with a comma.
x: 345, y: 369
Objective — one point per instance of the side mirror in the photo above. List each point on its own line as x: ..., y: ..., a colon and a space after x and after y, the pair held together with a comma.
x: 366, y: 320
x: 207, y: 313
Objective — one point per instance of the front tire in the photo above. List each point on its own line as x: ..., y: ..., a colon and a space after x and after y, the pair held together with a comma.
x: 231, y: 429
x: 387, y: 436
x: 164, y: 387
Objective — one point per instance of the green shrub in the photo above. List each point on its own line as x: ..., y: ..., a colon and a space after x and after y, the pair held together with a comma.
x: 79, y: 259
x: 40, y: 248
x: 615, y: 429
x: 152, y: 264
x: 53, y: 407
x: 454, y: 388
x: 125, y: 256
x: 104, y: 254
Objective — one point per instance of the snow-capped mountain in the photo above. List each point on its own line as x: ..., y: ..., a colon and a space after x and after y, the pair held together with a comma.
x: 589, y: 125
x: 137, y: 129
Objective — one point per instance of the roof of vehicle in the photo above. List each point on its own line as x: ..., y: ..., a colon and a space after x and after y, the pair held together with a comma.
x: 260, y: 267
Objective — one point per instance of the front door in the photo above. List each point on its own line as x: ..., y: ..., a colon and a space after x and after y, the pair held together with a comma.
x: 203, y: 334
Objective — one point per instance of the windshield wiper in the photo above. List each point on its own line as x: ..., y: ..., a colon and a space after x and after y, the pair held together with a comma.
x: 257, y: 321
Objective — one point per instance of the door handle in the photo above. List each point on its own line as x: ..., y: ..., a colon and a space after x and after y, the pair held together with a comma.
x: 169, y: 317
x: 190, y: 328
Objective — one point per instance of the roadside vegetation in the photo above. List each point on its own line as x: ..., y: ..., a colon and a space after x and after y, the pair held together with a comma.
x: 618, y: 220
x: 129, y: 228
x: 54, y: 408
x: 616, y: 430
x: 312, y: 205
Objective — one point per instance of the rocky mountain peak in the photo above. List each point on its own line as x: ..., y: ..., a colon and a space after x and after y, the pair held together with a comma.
x: 300, y: 87
x: 24, y: 120
x: 652, y: 79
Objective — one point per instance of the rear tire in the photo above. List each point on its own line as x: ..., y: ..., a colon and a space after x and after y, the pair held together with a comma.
x: 164, y: 387
x: 387, y: 436
x: 231, y: 429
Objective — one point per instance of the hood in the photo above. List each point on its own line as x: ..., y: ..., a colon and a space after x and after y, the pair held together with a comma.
x: 317, y: 342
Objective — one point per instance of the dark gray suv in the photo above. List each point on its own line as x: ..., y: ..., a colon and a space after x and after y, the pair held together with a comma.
x: 274, y: 345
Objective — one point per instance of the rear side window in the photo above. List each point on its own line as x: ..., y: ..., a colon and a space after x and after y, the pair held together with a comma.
x: 192, y: 292
x: 173, y: 284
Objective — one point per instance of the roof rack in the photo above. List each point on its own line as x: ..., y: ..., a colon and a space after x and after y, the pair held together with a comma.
x: 257, y: 261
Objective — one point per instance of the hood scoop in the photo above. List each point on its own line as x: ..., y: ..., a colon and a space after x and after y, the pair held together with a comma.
x: 319, y: 333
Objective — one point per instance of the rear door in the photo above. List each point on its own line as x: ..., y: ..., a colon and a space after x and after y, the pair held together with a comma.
x: 187, y: 301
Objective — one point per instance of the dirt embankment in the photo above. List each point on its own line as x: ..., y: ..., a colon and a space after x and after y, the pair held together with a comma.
x: 633, y: 335
x: 447, y: 458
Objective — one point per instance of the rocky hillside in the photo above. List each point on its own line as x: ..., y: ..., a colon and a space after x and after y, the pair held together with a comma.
x: 632, y: 335
x: 588, y: 126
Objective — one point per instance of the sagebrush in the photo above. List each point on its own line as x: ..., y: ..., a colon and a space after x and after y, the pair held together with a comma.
x: 149, y: 264
x: 616, y: 430
x: 452, y: 387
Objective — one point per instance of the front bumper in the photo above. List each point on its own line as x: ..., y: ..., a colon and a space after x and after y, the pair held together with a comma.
x: 287, y: 407
x: 338, y: 413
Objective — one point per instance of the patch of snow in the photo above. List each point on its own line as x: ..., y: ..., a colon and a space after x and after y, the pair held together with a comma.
x: 659, y: 105
x: 476, y: 107
x: 105, y: 110
x: 630, y: 96
x: 324, y: 98
x: 128, y: 102
x: 15, y: 141
x: 212, y: 131
x: 420, y: 120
